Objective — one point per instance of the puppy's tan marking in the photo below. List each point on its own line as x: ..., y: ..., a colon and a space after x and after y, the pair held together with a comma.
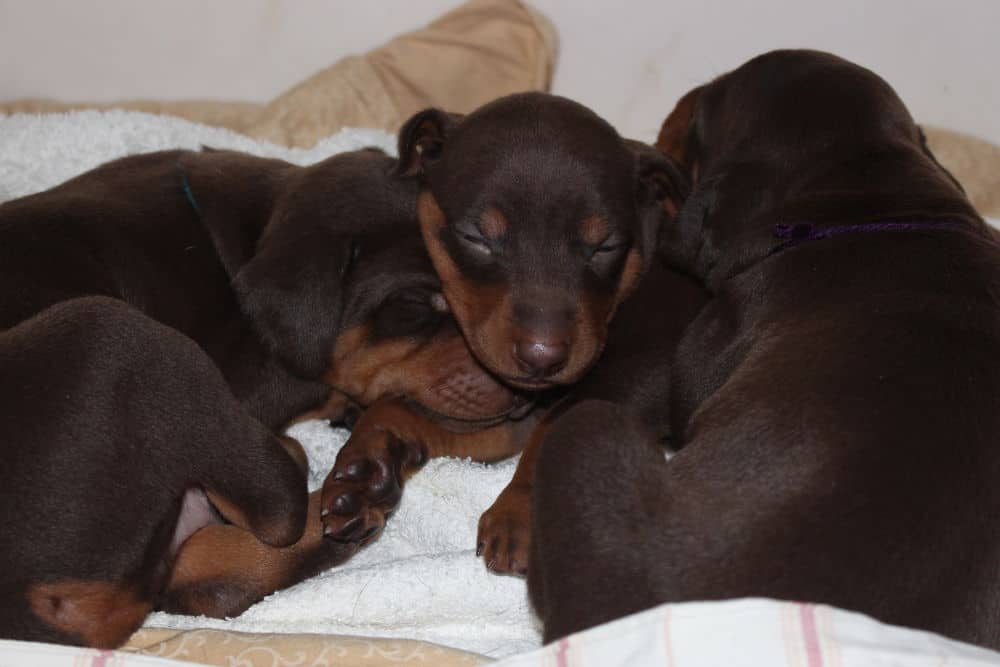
x: 493, y: 224
x: 673, y: 137
x: 594, y: 230
x: 100, y: 613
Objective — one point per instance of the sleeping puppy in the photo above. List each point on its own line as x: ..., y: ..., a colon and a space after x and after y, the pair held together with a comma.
x: 539, y: 219
x: 836, y: 399
x: 633, y: 371
x: 160, y: 316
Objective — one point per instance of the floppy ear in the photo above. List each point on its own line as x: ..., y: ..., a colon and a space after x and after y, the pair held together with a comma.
x: 421, y: 139
x: 662, y: 189
x: 286, y: 275
x: 675, y: 135
x: 290, y: 290
x: 661, y: 180
x: 233, y: 195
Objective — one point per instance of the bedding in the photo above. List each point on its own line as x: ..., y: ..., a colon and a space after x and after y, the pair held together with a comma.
x: 480, y: 50
x: 735, y: 633
x: 420, y: 582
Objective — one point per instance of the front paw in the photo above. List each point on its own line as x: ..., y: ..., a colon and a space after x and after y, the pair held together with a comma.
x: 504, y: 536
x: 366, y: 484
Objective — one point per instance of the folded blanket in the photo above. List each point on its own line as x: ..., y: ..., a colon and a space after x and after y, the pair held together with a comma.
x: 421, y: 578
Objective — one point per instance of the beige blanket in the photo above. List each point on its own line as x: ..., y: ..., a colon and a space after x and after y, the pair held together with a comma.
x: 218, y: 647
x: 480, y: 51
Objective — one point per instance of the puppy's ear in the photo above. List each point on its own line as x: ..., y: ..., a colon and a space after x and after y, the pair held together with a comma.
x: 421, y: 139
x: 662, y: 188
x: 291, y: 291
x: 661, y: 180
x: 233, y: 195
x: 675, y: 138
x: 285, y: 268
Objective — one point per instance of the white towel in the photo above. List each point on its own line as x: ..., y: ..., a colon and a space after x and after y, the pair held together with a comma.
x: 421, y: 578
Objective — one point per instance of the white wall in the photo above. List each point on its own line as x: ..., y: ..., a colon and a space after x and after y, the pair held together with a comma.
x: 627, y: 60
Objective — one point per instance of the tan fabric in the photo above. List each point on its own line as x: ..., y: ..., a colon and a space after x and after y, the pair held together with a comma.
x: 974, y: 162
x: 482, y: 50
x: 220, y: 647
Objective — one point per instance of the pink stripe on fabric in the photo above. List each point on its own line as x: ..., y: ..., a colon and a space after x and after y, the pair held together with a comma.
x: 810, y: 636
x: 101, y: 659
x: 668, y: 640
x: 562, y: 659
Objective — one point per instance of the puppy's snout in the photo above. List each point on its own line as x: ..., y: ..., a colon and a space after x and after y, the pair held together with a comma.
x: 541, y: 358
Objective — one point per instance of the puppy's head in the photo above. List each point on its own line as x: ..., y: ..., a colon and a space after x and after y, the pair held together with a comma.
x: 398, y: 337
x: 539, y: 219
x: 792, y: 136
x: 328, y: 264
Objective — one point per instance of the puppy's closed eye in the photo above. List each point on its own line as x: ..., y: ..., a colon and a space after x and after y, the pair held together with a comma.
x: 473, y: 239
x: 612, y: 244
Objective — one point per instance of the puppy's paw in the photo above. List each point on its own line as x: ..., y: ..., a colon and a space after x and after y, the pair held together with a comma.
x: 366, y: 484
x: 504, y: 536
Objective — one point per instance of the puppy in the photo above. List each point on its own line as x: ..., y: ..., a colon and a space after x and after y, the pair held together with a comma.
x: 539, y: 219
x: 161, y: 315
x: 633, y: 372
x: 836, y: 398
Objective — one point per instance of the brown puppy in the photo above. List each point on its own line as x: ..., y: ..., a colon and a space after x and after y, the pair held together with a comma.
x: 633, y: 372
x: 836, y: 399
x: 540, y: 219
x: 288, y: 280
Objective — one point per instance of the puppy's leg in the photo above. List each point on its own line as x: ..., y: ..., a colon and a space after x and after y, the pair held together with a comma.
x: 503, y: 538
x: 223, y: 569
x: 390, y: 442
x: 598, y: 486
x: 113, y: 421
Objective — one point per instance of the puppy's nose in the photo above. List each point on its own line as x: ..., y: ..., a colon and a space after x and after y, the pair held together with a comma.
x: 541, y: 358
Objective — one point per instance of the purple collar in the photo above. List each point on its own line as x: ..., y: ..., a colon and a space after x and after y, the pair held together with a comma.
x: 804, y: 232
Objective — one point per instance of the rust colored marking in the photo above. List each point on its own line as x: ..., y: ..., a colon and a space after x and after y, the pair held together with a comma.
x: 630, y: 278
x: 493, y: 224
x: 484, y: 313
x: 394, y: 417
x: 671, y: 207
x: 439, y: 373
x: 238, y: 569
x: 101, y: 613
x: 673, y: 136
x: 594, y: 230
